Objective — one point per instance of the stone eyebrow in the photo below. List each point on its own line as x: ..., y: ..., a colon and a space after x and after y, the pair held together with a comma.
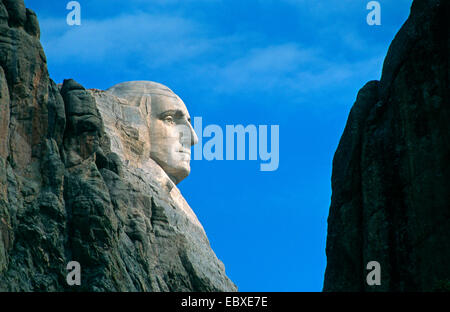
x: 173, y: 112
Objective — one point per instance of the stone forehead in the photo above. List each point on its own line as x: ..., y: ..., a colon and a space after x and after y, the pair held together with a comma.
x: 134, y: 91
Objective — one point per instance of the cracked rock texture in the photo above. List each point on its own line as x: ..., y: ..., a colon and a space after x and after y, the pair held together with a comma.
x: 66, y: 196
x: 391, y: 171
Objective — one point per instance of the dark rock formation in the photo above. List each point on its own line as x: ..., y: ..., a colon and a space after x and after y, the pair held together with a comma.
x: 64, y: 195
x: 391, y: 171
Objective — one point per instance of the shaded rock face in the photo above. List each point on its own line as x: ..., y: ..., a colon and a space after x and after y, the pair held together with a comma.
x: 391, y: 173
x: 66, y: 196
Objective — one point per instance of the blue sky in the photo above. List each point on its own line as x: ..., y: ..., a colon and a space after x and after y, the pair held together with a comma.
x: 294, y: 63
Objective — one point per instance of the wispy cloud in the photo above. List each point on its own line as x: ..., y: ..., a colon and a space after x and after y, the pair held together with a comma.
x: 157, y: 39
x: 225, y: 62
x: 287, y: 68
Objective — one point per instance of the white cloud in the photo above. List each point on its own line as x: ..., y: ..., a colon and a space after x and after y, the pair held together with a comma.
x: 225, y: 64
x: 152, y: 39
x: 286, y: 67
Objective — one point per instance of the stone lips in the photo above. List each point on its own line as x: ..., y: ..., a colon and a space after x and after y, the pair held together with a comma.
x: 391, y: 174
x: 66, y: 193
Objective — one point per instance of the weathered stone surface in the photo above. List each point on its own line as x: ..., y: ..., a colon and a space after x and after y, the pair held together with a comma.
x: 32, y: 214
x: 17, y: 12
x: 32, y: 24
x: 67, y: 195
x: 158, y: 221
x: 391, y: 174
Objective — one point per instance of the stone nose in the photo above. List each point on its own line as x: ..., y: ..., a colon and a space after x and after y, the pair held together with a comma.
x: 194, y: 138
x: 187, y: 135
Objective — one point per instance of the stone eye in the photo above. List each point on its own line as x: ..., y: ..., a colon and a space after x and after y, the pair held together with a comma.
x: 169, y: 119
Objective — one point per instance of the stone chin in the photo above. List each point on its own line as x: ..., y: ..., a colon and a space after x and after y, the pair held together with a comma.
x: 177, y: 171
x: 178, y: 174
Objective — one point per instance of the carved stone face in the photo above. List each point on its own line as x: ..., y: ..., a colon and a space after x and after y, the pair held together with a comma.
x: 157, y: 126
x: 171, y: 136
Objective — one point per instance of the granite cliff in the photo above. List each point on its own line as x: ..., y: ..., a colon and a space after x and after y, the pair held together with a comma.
x: 391, y: 171
x: 66, y: 194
